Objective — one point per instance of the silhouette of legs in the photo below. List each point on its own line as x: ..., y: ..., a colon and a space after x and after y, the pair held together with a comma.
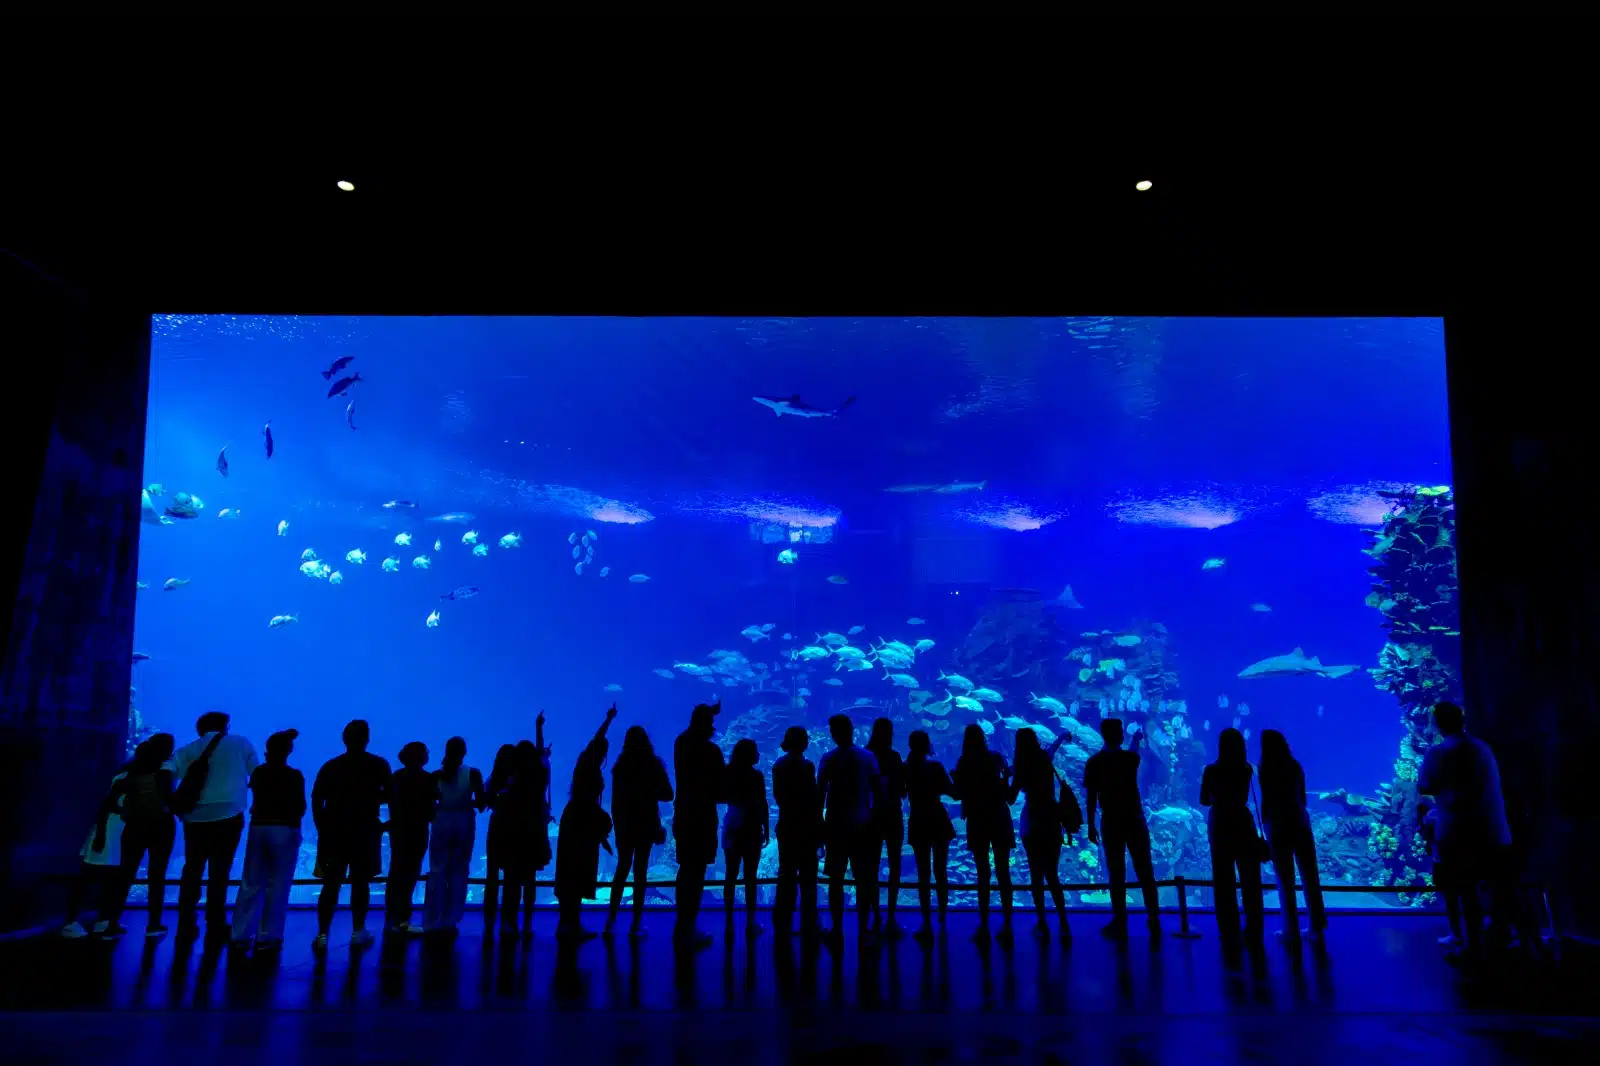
x: 891, y: 845
x: 207, y: 846
x: 749, y: 857
x: 637, y: 858
x: 933, y: 859
x: 406, y: 849
x: 156, y: 838
x: 688, y: 897
x: 1044, y: 860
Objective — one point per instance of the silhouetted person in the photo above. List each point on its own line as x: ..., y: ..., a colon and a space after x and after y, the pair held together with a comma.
x: 1111, y: 786
x: 744, y: 830
x: 213, y: 818
x: 1288, y: 828
x: 888, y: 819
x: 413, y: 800
x: 345, y: 799
x: 585, y: 829
x: 1235, y: 847
x: 272, y: 849
x: 639, y: 786
x: 1035, y: 778
x: 501, y: 872
x: 1428, y: 830
x: 530, y: 798
x: 983, y: 783
x: 142, y: 800
x: 1474, y: 837
x: 455, y: 830
x: 929, y: 829
x: 794, y: 790
x: 697, y: 765
x: 849, y: 781
x: 99, y: 866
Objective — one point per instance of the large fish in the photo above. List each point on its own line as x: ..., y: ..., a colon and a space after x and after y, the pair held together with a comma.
x: 793, y: 405
x: 340, y: 387
x: 1293, y: 664
x: 454, y: 517
x: 338, y: 365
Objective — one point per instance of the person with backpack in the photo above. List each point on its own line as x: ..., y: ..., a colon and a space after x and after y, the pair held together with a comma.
x: 212, y: 776
x: 141, y: 799
x: 1035, y: 778
x: 272, y: 849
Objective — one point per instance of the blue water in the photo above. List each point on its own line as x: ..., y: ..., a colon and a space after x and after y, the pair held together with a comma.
x: 1102, y: 445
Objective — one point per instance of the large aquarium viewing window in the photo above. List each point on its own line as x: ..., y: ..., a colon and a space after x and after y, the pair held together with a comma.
x: 446, y: 525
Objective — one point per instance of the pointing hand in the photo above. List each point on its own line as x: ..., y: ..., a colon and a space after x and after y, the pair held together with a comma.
x: 612, y: 713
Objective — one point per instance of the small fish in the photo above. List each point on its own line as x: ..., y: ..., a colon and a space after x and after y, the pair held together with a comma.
x: 768, y: 628
x: 280, y: 620
x: 433, y: 619
x: 391, y: 565
x: 853, y: 630
x: 639, y: 579
x: 1244, y: 709
x: 338, y: 365
x: 1206, y: 725
x: 350, y: 415
x: 1213, y: 564
x: 471, y: 537
x: 403, y: 539
x: 798, y: 408
x: 228, y: 512
x: 577, y: 568
x: 662, y: 671
x: 901, y: 680
x: 155, y: 489
x: 140, y: 657
x: 834, y: 681
x: 336, y: 578
x: 572, y: 538
x: 1127, y: 640
x: 604, y: 570
x: 437, y: 544
x: 577, y: 552
x: 266, y: 434
x: 146, y: 584
x: 480, y: 550
x: 222, y: 461
x: 613, y: 687
x: 172, y: 584
x: 923, y: 645
x: 788, y: 556
x: 1261, y: 608
x: 1247, y: 732
x: 838, y: 579
x: 511, y: 540
x: 283, y: 528
x: 355, y: 555
x: 863, y: 701
x: 916, y: 621
x: 459, y: 518
x: 591, y: 536
x: 400, y: 505
x: 309, y: 553
x: 465, y: 592
x: 787, y: 636
x: 753, y: 634
x: 311, y: 568
x: 422, y: 562
x: 1319, y: 710
x: 1222, y: 701
x: 342, y: 386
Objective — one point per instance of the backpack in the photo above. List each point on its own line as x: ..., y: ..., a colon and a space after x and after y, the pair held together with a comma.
x: 1067, y: 807
x: 187, y: 795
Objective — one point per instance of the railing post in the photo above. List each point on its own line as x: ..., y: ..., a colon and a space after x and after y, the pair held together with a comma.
x: 1184, y: 932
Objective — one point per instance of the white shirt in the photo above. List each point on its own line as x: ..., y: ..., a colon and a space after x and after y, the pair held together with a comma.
x: 227, y: 790
x: 1461, y: 773
x: 111, y: 854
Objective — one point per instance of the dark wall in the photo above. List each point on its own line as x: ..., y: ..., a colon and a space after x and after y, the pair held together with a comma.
x: 1523, y: 431
x: 71, y: 553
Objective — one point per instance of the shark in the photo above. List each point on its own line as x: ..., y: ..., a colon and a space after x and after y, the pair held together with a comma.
x: 1294, y: 663
x: 798, y: 408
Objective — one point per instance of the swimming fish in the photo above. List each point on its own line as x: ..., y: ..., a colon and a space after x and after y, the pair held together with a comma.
x: 309, y: 553
x: 916, y: 621
x: 338, y: 365
x: 591, y: 536
x: 853, y: 630
x: 139, y: 656
x: 155, y: 489
x: 1261, y: 608
x: 471, y: 537
x: 222, y: 461
x: 768, y: 628
x: 350, y: 415
x: 433, y: 620
x: 336, y: 578
x: 343, y: 385
x: 923, y: 645
x: 604, y: 570
x: 956, y: 682
x: 400, y: 505
x: 480, y: 550
x: 838, y: 579
x: 465, y: 592
x: 172, y: 584
x: 788, y: 556
x: 511, y: 540
x: 987, y: 695
x: 283, y: 527
x: 639, y: 579
x: 901, y: 680
x: 577, y: 568
x: 146, y: 584
x: 228, y: 512
x: 438, y: 544
x: 834, y: 681
x: 753, y: 634
x: 266, y: 433
x: 798, y: 408
x: 950, y: 488
x: 280, y: 620
x: 313, y: 569
x: 148, y: 513
x: 1213, y: 564
x: 613, y: 687
x: 355, y: 555
x: 459, y: 518
x: 1294, y: 663
x: 391, y: 565
x: 664, y: 672
x: 422, y: 562
x: 967, y: 703
x: 833, y: 640
x: 577, y: 551
x: 403, y: 539
x: 1047, y: 703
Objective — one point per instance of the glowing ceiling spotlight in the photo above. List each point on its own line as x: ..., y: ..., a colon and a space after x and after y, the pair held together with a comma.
x: 347, y: 186
x: 1143, y: 186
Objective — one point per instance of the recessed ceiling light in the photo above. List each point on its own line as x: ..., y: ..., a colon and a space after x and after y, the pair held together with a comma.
x: 349, y: 186
x: 1142, y: 186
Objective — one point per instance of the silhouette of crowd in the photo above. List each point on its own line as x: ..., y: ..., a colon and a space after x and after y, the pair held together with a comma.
x: 850, y: 810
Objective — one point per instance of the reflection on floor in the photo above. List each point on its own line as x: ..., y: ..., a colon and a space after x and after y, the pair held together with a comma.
x: 1379, y: 992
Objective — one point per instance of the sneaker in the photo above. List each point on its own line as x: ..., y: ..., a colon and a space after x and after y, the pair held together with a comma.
x: 108, y: 931
x: 360, y: 938
x: 74, y: 931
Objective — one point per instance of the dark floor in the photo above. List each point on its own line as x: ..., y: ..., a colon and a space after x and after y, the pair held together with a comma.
x: 1379, y: 992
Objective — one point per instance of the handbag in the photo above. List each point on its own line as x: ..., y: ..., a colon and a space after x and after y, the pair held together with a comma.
x: 1262, y: 847
x: 1067, y: 808
x: 186, y: 796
